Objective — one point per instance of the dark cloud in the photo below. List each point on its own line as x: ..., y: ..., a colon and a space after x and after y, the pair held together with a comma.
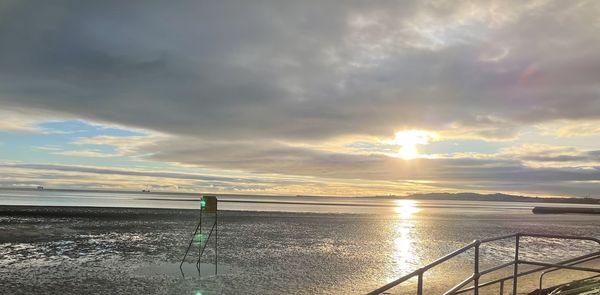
x: 235, y: 83
x: 309, y: 70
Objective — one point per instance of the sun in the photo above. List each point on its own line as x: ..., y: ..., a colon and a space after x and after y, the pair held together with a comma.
x: 408, y: 141
x: 408, y: 152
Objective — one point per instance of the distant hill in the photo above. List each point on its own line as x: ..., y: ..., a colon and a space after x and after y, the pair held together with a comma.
x: 493, y: 197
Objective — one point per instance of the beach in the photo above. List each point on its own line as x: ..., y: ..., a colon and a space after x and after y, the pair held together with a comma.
x: 80, y: 250
x: 335, y: 147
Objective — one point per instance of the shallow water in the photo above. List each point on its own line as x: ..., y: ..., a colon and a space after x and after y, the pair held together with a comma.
x: 274, y: 252
x: 267, y: 203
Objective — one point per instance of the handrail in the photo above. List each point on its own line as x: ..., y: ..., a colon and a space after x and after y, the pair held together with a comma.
x: 555, y: 269
x: 501, y: 280
x: 561, y: 266
x: 498, y: 267
x: 560, y: 237
x: 395, y: 282
x: 422, y: 269
x: 475, y: 276
x: 460, y: 285
x: 451, y: 255
x: 500, y: 238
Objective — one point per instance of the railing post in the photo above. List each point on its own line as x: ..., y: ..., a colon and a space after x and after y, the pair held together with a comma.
x: 501, y: 287
x: 216, y: 241
x: 420, y: 283
x: 476, y: 269
x: 516, y: 267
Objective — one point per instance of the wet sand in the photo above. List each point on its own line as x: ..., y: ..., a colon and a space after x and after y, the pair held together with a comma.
x: 88, y: 250
x: 53, y: 250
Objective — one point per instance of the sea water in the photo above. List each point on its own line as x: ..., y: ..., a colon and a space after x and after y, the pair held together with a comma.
x: 280, y: 245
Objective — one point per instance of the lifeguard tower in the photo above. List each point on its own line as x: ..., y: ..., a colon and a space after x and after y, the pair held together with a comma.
x: 208, y: 212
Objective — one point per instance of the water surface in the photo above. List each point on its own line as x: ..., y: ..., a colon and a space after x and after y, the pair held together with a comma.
x: 330, y: 246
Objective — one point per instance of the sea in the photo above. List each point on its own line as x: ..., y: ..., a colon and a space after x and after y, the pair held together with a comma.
x: 313, y: 245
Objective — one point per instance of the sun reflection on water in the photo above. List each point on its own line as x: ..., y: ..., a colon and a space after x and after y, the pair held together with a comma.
x: 405, y: 258
x: 406, y: 208
x: 403, y: 249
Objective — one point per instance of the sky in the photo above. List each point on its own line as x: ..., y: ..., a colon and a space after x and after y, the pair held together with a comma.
x: 336, y: 97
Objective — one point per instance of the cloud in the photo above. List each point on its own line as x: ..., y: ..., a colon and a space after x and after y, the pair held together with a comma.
x: 125, y: 145
x: 271, y: 167
x: 289, y: 71
x: 265, y: 87
x: 85, y: 153
x: 271, y: 157
x: 571, y: 128
x: 16, y: 120
x: 68, y: 176
x: 108, y: 171
x: 553, y: 156
x: 65, y: 176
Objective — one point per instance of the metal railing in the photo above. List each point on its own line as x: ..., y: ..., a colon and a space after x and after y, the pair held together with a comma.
x: 477, y: 273
x: 583, y: 260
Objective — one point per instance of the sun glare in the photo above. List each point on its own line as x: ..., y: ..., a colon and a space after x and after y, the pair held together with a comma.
x: 406, y: 208
x: 408, y: 140
x: 408, y: 152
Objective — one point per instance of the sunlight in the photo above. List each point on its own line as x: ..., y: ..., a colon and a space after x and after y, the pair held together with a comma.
x: 403, y: 251
x: 408, y: 152
x: 408, y: 140
x: 405, y: 258
x: 406, y: 208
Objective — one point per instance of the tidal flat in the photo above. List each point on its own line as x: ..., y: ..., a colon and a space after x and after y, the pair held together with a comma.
x: 86, y: 250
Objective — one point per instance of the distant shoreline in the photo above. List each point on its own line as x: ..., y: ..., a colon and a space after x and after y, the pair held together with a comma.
x: 497, y: 197
x: 120, y: 213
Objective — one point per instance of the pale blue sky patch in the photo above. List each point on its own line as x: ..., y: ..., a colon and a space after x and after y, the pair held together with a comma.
x: 58, y: 142
x: 82, y: 128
